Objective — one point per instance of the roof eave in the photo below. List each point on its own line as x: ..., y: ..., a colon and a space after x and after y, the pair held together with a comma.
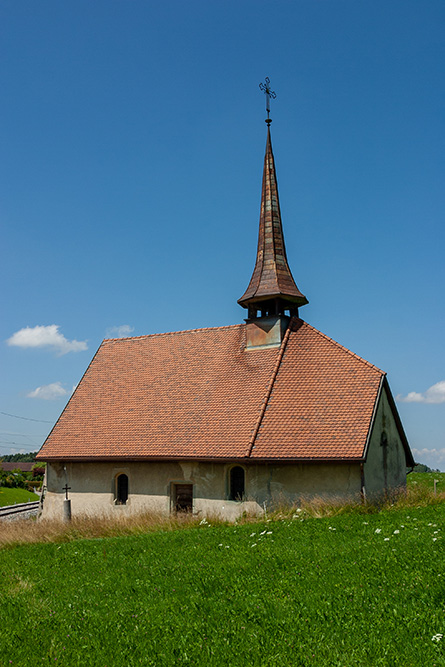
x: 294, y: 299
x: 222, y: 459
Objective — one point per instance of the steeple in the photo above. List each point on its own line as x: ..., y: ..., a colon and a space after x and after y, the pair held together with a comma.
x: 272, y: 289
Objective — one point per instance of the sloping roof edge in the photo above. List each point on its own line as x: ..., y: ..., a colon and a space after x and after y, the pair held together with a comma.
x: 346, y: 349
x: 38, y: 457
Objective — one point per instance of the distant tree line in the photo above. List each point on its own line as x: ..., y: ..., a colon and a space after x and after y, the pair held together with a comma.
x: 30, y: 457
x: 421, y: 467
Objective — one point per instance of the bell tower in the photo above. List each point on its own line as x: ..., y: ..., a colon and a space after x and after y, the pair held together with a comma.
x: 272, y: 296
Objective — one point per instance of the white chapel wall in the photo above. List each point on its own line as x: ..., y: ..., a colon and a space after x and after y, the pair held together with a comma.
x: 151, y: 486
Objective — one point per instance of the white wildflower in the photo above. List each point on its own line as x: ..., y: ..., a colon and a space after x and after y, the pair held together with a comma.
x: 252, y: 534
x: 437, y: 638
x: 263, y: 533
x: 396, y: 532
x: 253, y: 545
x: 269, y: 532
x: 386, y: 539
x: 378, y: 530
x: 365, y: 523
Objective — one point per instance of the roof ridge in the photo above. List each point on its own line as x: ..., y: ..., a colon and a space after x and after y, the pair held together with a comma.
x: 265, y: 402
x: 345, y: 349
x: 172, y: 333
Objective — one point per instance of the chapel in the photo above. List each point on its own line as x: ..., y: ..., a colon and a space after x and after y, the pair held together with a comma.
x: 223, y: 420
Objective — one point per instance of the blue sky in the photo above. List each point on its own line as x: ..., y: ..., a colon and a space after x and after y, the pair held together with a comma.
x: 133, y: 137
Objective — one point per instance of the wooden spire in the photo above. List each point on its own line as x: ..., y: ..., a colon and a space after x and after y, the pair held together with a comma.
x: 272, y: 289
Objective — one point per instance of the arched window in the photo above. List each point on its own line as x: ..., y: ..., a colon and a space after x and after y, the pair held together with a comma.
x: 121, y: 493
x: 236, y: 483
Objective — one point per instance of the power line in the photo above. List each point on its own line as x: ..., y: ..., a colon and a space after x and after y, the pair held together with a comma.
x: 20, y: 444
x: 23, y: 435
x: 28, y: 419
x: 14, y: 444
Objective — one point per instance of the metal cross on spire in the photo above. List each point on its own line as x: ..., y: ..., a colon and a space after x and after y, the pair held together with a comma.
x: 265, y: 87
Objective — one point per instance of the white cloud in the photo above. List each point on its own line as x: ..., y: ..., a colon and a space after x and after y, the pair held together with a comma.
x: 122, y: 331
x: 49, y: 336
x: 48, y: 392
x: 435, y: 394
x: 434, y: 458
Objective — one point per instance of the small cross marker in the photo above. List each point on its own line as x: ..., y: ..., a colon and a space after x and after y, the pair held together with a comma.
x: 66, y: 488
x: 265, y: 87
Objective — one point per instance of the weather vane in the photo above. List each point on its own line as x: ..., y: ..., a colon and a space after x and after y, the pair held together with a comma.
x: 265, y: 87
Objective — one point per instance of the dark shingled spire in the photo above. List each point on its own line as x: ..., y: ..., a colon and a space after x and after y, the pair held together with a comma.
x: 272, y: 289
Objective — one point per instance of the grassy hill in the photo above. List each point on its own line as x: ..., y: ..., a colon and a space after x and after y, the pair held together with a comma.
x: 347, y: 590
x: 12, y: 496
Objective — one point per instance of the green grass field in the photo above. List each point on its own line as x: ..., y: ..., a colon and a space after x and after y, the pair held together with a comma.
x: 349, y: 590
x: 11, y: 496
x: 425, y: 480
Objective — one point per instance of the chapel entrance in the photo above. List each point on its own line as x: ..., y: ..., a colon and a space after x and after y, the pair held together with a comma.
x: 183, y: 497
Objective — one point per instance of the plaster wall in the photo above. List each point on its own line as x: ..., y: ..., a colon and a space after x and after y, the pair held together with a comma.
x: 385, y: 465
x: 151, y: 486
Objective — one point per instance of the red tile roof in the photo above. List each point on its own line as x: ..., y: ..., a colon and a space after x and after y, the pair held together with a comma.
x: 201, y: 394
x: 185, y: 394
x: 322, y: 401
